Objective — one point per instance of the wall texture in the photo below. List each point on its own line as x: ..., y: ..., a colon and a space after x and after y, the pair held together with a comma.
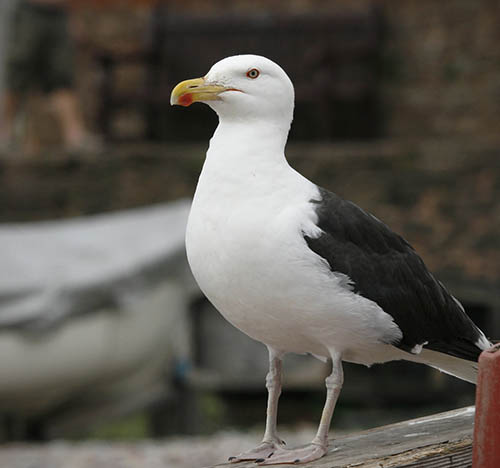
x: 440, y: 61
x: 439, y: 67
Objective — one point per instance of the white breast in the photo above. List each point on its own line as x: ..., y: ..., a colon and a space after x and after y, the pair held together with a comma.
x: 246, y: 249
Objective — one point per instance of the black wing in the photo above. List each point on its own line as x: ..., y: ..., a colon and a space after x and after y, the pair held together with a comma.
x: 386, y: 269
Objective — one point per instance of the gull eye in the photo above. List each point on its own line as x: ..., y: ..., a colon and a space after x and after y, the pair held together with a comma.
x: 253, y: 73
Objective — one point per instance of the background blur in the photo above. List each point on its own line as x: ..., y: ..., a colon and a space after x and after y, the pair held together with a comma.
x: 103, y: 333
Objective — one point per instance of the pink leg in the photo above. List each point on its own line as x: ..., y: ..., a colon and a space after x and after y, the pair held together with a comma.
x: 319, y: 445
x: 271, y: 442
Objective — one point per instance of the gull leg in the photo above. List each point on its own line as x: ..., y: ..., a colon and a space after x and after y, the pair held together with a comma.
x: 271, y: 442
x: 319, y: 445
x: 273, y: 385
x: 333, y: 384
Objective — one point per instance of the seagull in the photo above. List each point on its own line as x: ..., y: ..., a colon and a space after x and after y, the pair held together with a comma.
x: 297, y: 267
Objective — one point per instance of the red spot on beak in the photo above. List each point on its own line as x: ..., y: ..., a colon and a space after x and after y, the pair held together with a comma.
x: 186, y: 100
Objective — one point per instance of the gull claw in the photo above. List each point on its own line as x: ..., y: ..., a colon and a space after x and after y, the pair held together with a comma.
x: 258, y: 454
x: 304, y: 454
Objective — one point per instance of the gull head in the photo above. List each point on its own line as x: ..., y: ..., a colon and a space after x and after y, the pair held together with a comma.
x: 242, y: 87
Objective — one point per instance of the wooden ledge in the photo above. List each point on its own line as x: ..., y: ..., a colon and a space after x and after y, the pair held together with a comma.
x: 442, y: 440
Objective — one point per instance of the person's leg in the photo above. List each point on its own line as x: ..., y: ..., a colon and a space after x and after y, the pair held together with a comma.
x: 61, y: 86
x: 67, y: 109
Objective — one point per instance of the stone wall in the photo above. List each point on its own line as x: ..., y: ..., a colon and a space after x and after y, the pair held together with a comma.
x: 440, y: 60
x: 442, y: 68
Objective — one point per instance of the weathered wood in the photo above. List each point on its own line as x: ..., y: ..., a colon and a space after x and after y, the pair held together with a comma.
x: 442, y: 440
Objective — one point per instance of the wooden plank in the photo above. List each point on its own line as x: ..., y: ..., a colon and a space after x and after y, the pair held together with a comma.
x: 448, y: 455
x: 442, y: 440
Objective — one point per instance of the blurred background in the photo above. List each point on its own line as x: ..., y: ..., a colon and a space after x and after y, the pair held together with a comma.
x: 103, y: 332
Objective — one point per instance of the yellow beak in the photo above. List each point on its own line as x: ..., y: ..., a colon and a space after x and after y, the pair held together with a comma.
x: 196, y: 90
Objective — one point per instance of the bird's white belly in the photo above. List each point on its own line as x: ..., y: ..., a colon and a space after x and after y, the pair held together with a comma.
x: 263, y: 279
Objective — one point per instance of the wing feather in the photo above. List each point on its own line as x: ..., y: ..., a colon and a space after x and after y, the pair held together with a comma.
x: 385, y: 268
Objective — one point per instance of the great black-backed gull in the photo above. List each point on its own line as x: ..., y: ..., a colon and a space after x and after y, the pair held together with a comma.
x: 297, y: 267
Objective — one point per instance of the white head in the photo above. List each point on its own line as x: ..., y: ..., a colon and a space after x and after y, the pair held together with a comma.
x: 242, y: 87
